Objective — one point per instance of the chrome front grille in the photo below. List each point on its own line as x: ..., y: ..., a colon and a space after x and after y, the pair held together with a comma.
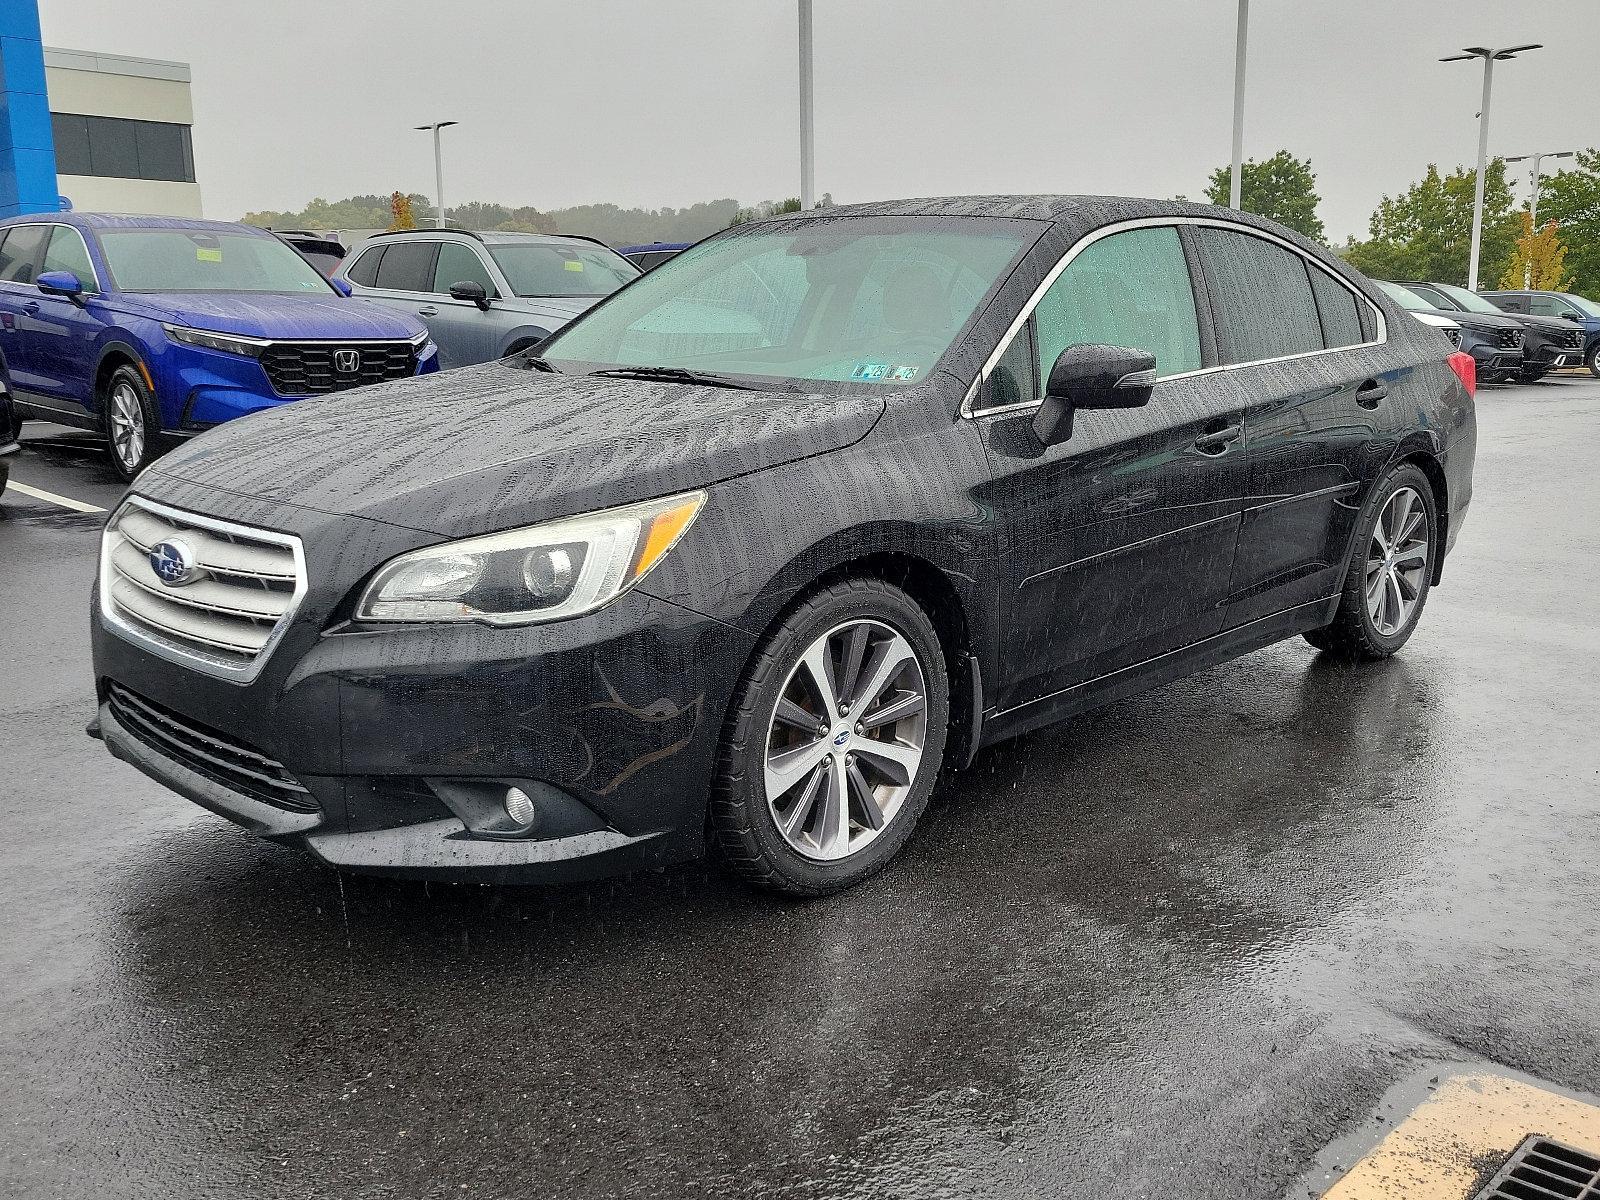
x: 241, y: 588
x: 207, y: 751
x: 315, y: 368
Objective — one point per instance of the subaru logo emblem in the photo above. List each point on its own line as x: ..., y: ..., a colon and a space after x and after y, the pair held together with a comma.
x: 347, y: 362
x: 173, y: 562
x: 841, y: 737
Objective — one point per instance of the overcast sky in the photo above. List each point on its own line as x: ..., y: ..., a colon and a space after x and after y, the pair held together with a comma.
x: 666, y: 102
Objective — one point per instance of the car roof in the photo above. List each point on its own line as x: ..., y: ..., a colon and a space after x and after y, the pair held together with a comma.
x: 96, y: 220
x: 488, y: 237
x: 647, y: 247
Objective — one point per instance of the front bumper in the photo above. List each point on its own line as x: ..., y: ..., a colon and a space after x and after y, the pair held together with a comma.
x: 616, y: 715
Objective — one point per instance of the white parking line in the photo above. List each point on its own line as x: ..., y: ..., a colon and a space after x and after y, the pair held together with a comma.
x: 63, y: 501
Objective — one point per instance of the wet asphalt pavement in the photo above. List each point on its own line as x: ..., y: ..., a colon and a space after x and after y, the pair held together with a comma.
x: 1170, y: 949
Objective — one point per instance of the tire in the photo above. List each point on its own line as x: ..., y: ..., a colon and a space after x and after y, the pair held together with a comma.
x: 130, y: 422
x: 1593, y: 361
x: 1357, y: 632
x: 871, y: 623
x: 5, y: 476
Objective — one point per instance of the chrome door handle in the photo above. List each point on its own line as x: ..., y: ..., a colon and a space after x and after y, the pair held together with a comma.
x: 1370, y: 393
x: 427, y: 312
x: 1218, y: 441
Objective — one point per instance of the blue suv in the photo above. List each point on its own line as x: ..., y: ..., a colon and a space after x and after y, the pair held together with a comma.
x: 139, y: 327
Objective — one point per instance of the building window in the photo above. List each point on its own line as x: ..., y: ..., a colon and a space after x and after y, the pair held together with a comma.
x: 114, y: 148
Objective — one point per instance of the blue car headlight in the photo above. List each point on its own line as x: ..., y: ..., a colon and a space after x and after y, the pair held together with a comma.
x: 228, y: 343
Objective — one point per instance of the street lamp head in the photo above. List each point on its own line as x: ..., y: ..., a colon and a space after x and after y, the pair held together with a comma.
x: 1513, y: 51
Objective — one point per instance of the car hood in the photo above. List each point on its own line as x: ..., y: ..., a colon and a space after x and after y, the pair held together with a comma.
x: 1547, y: 325
x: 494, y: 447
x: 269, y: 315
x: 1472, y: 320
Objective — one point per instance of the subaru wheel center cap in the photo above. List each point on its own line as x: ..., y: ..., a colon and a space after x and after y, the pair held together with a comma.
x: 174, y: 562
x: 841, y: 737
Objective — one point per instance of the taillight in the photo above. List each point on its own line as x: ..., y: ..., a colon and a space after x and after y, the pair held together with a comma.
x: 1466, y: 370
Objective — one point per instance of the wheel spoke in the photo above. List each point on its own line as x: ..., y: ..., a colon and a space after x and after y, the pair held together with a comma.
x: 806, y: 802
x: 819, y: 666
x: 1408, y: 590
x: 1399, y: 513
x: 890, y: 655
x: 1410, y: 527
x: 793, y: 715
x: 788, y: 767
x: 904, y: 705
x: 855, y: 653
x: 897, y: 763
x: 1394, y: 603
x: 833, y: 834
x: 865, y: 800
x: 1417, y: 551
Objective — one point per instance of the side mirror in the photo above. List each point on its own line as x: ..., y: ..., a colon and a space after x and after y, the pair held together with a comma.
x: 1092, y: 376
x: 1572, y: 316
x: 342, y: 286
x: 471, y: 290
x: 61, y: 283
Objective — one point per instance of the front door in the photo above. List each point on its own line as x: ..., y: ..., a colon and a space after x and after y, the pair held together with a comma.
x: 464, y: 333
x: 21, y: 250
x: 1117, y: 544
x: 61, y: 338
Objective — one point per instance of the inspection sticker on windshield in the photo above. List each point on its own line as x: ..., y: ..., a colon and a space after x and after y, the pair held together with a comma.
x: 573, y: 264
x: 205, y: 255
x: 888, y: 371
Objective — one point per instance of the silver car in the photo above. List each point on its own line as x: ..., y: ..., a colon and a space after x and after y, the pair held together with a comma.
x: 485, y: 295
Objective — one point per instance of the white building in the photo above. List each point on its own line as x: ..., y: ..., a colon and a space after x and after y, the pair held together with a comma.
x: 122, y: 133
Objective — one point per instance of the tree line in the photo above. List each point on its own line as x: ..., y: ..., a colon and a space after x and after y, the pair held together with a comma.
x: 1423, y: 232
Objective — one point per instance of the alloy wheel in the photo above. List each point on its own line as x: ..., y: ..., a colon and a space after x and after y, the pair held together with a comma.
x: 846, y: 739
x: 127, y: 425
x: 1397, y: 561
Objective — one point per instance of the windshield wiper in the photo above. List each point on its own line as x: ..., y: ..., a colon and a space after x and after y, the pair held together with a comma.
x: 676, y: 375
x: 532, y: 362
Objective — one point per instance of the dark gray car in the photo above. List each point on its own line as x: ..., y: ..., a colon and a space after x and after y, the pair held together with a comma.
x: 486, y: 295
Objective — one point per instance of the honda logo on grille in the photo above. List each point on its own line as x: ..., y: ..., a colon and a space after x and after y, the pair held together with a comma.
x: 347, y: 361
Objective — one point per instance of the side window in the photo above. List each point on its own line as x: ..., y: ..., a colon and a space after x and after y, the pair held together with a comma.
x: 459, y: 264
x: 20, y: 252
x: 1543, y: 306
x: 66, y: 252
x: 1437, y: 299
x: 407, y: 267
x: 1341, y: 315
x: 1130, y: 289
x: 365, y: 269
x: 1524, y: 304
x: 1264, y: 303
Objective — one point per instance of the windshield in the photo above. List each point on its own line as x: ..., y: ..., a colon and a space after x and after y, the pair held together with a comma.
x: 1402, y: 296
x: 1470, y: 301
x: 555, y: 269
x: 206, y: 260
x: 1581, y: 303
x: 872, y: 300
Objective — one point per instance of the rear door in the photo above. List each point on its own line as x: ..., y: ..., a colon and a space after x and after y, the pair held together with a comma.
x: 464, y: 333
x: 1291, y: 333
x: 1117, y: 543
x: 21, y: 252
x: 400, y: 274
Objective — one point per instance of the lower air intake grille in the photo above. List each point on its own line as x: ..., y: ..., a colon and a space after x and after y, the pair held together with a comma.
x: 1545, y: 1170
x: 208, y: 752
x: 1510, y: 338
x: 314, y: 368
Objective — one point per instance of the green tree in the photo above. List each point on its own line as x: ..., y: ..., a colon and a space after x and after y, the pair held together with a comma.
x: 1281, y: 188
x: 1426, y: 232
x: 1572, y: 199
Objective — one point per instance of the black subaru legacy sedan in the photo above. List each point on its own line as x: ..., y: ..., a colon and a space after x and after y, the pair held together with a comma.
x: 740, y: 560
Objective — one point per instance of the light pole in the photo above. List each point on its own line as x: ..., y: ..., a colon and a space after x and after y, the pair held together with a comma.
x: 807, y: 131
x: 1533, y: 198
x: 1236, y: 184
x: 1489, y: 58
x: 438, y: 169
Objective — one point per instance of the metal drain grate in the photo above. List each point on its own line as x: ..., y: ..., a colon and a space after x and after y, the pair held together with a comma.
x: 1544, y: 1170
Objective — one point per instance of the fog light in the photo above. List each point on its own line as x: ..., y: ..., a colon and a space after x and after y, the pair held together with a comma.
x: 519, y: 806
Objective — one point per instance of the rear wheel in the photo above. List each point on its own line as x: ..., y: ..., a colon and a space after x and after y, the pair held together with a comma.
x: 834, y: 741
x: 1390, y: 570
x: 132, y: 425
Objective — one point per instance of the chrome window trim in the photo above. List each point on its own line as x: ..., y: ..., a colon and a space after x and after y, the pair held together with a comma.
x: 1094, y: 235
x: 240, y: 675
x: 94, y: 272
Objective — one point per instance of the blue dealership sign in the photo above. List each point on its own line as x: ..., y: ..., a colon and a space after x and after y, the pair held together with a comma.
x: 27, y: 148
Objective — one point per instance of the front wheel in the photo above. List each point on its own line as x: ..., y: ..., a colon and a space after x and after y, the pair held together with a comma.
x: 132, y: 425
x: 834, y: 741
x: 1390, y: 570
x: 1593, y: 361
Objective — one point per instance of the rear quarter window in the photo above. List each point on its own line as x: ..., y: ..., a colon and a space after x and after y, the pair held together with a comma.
x: 1339, y: 309
x: 364, y: 270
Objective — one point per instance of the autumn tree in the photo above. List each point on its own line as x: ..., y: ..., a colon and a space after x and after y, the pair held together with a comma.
x: 1572, y: 198
x: 1426, y: 232
x: 400, y: 209
x: 1539, y: 260
x: 1281, y: 188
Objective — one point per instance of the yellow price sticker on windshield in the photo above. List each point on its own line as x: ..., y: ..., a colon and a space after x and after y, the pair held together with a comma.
x: 205, y: 255
x: 573, y: 264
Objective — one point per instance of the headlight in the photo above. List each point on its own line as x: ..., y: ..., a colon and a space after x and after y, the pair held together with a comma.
x: 228, y: 343
x: 542, y: 573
